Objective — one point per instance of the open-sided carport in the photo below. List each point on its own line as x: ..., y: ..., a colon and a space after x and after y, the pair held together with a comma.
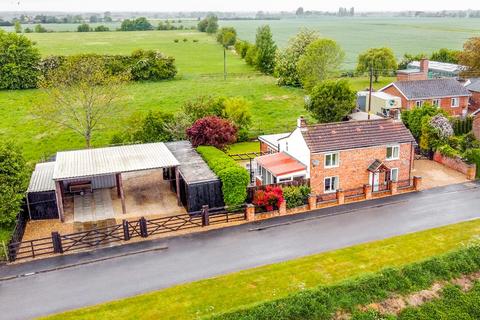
x: 90, y: 169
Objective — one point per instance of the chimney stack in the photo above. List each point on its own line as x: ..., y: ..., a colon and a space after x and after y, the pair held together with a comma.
x: 301, y: 122
x: 424, y: 67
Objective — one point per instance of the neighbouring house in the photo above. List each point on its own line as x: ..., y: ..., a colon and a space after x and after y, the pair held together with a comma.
x: 344, y: 155
x: 92, y: 184
x: 414, y: 88
x: 382, y: 104
x: 269, y: 142
x: 473, y: 85
x: 437, y: 69
x: 476, y: 126
x: 447, y: 94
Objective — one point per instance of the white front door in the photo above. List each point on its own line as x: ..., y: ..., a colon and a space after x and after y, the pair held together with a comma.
x: 375, y: 180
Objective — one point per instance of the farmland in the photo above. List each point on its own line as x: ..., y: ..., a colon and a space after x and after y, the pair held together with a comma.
x: 200, y: 66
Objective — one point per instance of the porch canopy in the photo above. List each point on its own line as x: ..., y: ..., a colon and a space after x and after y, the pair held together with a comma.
x: 90, y: 163
x: 279, y: 165
x: 378, y: 166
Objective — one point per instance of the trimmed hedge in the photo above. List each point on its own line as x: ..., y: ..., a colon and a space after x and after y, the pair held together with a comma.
x: 324, y: 301
x: 235, y: 179
x: 295, y: 196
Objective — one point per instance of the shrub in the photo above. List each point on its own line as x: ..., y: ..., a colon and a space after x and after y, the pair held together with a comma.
x: 152, y: 127
x: 138, y: 24
x: 241, y: 48
x: 13, y: 182
x: 462, y: 126
x: 295, y: 196
x: 84, y: 28
x: 235, y: 179
x: 448, y: 151
x: 195, y: 40
x: 19, y: 59
x: 185, y: 40
x: 270, y: 199
x: 413, y: 118
x: 101, y: 28
x: 175, y: 40
x: 212, y: 131
x: 152, y: 65
x: 323, y: 301
x: 473, y: 156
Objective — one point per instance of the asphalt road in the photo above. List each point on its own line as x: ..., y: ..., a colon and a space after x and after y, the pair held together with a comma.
x: 203, y: 255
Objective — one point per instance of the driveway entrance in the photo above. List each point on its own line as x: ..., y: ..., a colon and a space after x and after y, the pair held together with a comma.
x: 435, y: 174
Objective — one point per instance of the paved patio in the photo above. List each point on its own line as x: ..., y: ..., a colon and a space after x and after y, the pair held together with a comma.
x: 435, y: 174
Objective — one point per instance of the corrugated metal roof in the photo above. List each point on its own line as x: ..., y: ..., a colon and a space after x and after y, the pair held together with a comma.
x: 111, y: 160
x: 42, y: 178
x: 438, y: 66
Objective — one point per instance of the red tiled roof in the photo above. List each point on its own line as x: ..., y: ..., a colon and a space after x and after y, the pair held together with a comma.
x: 280, y: 164
x: 355, y: 134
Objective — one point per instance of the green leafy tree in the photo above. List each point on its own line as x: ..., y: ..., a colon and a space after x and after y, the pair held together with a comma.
x: 40, y: 29
x: 265, y: 50
x: 407, y: 58
x: 331, y: 101
x: 152, y: 127
x: 139, y: 24
x: 445, y: 55
x: 19, y: 60
x: 226, y: 37
x: 470, y: 56
x: 287, y: 60
x: 321, y: 61
x: 237, y: 110
x: 381, y: 60
x: 18, y: 27
x: 209, y: 24
x: 413, y: 118
x: 83, y: 96
x: 13, y: 182
x: 251, y: 56
x: 101, y: 28
x: 84, y: 27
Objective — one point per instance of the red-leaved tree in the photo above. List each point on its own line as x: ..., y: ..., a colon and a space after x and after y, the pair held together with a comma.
x: 212, y: 131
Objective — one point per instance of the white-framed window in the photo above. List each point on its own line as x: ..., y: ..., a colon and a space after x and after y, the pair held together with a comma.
x: 455, y: 102
x: 418, y: 103
x: 394, y: 174
x: 331, y: 160
x: 436, y: 103
x: 393, y: 152
x: 331, y: 184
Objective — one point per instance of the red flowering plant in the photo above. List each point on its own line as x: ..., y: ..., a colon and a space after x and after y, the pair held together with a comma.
x: 270, y: 199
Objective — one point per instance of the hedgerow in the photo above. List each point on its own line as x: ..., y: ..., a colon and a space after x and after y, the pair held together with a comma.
x: 324, y: 301
x: 234, y: 178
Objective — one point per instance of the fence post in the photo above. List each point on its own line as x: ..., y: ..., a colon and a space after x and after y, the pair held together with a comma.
x: 126, y: 230
x: 143, y: 227
x: 250, y: 212
x: 340, y: 196
x: 205, y: 216
x: 367, y: 190
x: 312, y: 201
x: 393, y: 187
x: 417, y: 183
x: 57, y: 243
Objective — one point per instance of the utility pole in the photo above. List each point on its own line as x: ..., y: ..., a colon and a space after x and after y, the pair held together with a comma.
x: 224, y: 63
x: 370, y: 91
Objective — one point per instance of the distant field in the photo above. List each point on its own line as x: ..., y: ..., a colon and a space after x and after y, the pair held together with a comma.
x: 415, y: 35
x: 200, y: 66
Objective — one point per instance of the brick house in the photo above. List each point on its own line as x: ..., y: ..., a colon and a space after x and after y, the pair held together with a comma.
x: 344, y: 155
x: 415, y: 88
x: 473, y: 86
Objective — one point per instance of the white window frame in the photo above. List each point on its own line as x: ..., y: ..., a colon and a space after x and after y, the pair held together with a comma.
x: 418, y: 103
x: 334, y: 184
x: 455, y: 102
x: 393, y: 147
x: 331, y: 154
x: 391, y: 174
x: 436, y: 103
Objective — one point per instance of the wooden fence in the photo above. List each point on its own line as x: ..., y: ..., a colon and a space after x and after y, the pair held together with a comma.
x: 100, y: 237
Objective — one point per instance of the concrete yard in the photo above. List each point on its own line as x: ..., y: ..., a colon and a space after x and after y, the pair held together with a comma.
x: 435, y: 174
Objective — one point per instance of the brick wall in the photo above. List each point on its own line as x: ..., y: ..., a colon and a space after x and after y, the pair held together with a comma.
x: 353, y: 164
x: 476, y: 99
x: 476, y: 126
x: 469, y: 170
x: 263, y: 147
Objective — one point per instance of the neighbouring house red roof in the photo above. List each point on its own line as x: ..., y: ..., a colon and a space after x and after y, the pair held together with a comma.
x: 355, y: 134
x: 280, y: 164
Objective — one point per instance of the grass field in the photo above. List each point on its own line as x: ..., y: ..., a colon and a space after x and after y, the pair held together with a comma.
x: 200, y: 68
x: 413, y: 35
x: 229, y: 292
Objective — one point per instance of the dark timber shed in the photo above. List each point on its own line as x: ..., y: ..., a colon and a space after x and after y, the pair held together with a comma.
x: 199, y: 186
x: 41, y: 201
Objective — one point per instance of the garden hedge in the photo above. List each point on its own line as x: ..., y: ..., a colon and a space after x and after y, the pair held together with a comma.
x: 235, y: 179
x: 324, y: 301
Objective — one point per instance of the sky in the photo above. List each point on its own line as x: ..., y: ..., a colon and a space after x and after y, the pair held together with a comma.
x: 226, y: 5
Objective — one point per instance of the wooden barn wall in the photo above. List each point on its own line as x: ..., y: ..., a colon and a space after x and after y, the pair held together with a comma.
x: 101, y: 182
x: 204, y: 193
x: 43, y: 205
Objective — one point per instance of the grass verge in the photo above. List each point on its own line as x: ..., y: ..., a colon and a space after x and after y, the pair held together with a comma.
x: 250, y: 287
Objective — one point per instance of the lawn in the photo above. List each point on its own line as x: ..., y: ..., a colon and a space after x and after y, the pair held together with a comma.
x: 244, y: 147
x: 229, y: 292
